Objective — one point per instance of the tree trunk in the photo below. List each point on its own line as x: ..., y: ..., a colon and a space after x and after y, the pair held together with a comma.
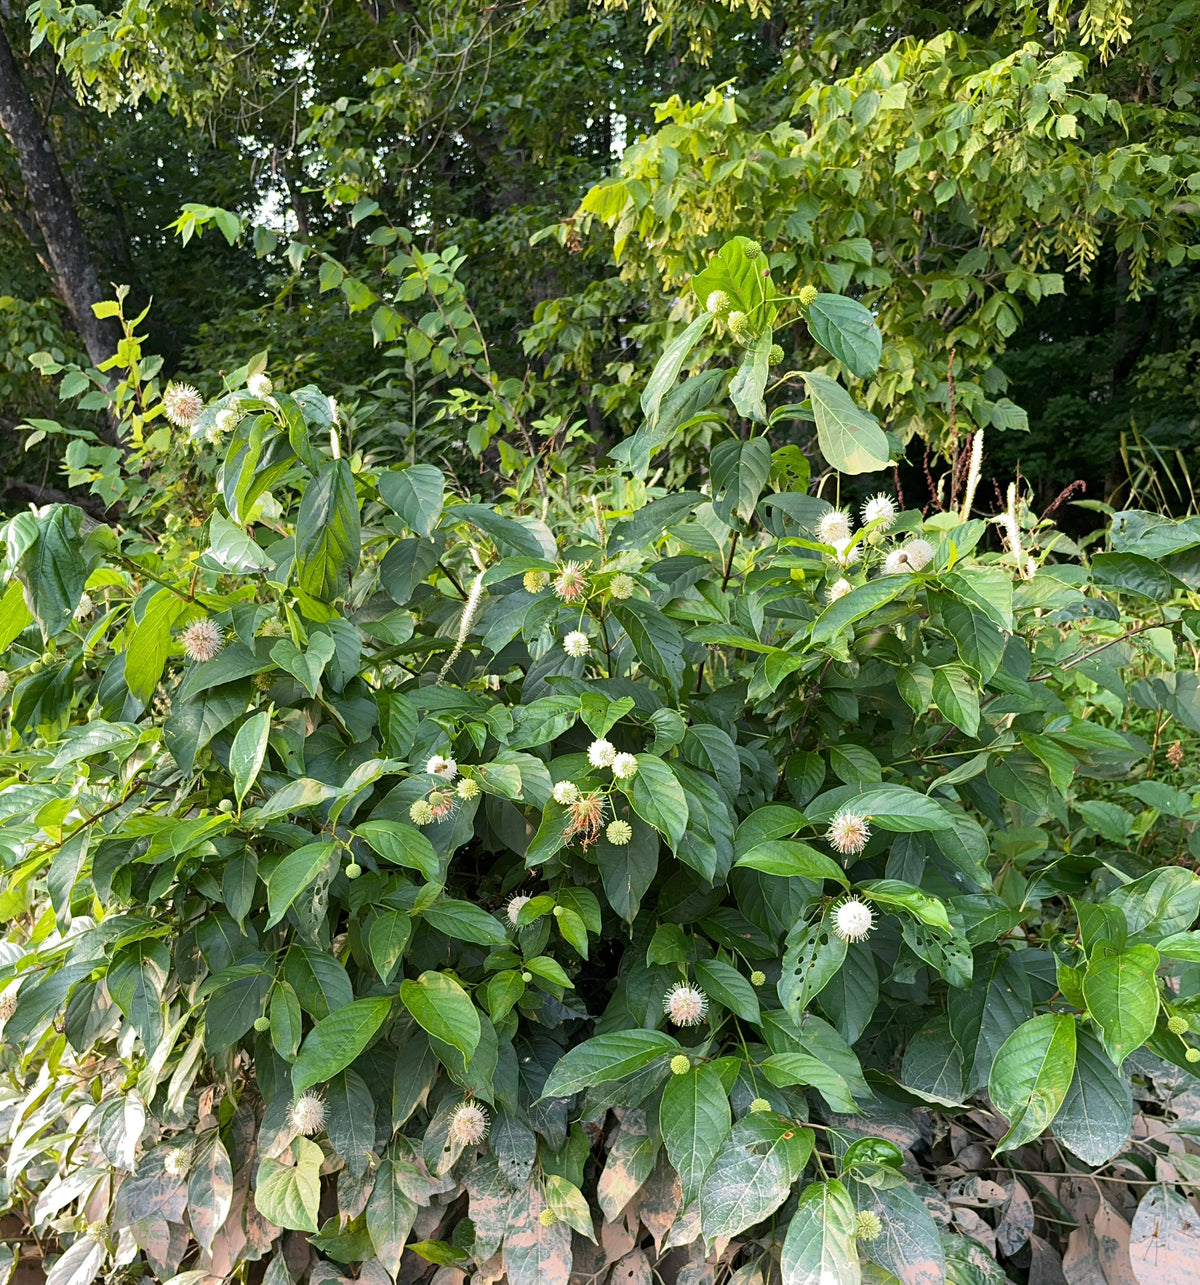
x: 67, y: 256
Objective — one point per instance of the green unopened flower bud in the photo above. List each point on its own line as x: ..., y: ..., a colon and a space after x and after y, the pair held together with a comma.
x: 752, y: 250
x: 35, y: 666
x: 776, y: 355
x: 527, y: 977
x: 717, y: 302
x: 547, y: 1218
x: 47, y: 658
x: 558, y: 912
x: 808, y: 295
x: 680, y: 1064
x: 759, y: 1105
x: 1192, y: 1055
x: 738, y: 321
x: 758, y: 977
x: 353, y: 870
x: 1177, y: 1025
x: 867, y: 1224
x: 262, y: 1023
x: 226, y: 805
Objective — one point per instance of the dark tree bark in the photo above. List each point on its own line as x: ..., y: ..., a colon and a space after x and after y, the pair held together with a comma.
x: 64, y: 250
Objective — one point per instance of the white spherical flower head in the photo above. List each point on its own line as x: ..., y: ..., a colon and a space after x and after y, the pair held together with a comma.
x: 919, y: 554
x: 182, y: 404
x: 441, y: 766
x: 259, y: 385
x: 421, y: 813
x: 228, y: 419
x: 469, y: 1124
x: 619, y: 833
x: 853, y: 920
x: 565, y: 793
x: 839, y: 589
x: 601, y: 753
x: 833, y: 526
x: 847, y: 554
x: 622, y: 587
x: 307, y: 1115
x: 848, y: 833
x: 685, y: 1005
x: 202, y: 641
x: 879, y: 508
x: 85, y: 608
x: 8, y: 1006
x: 625, y: 766
x: 467, y: 789
x: 513, y: 910
x: 896, y: 563
x: 576, y: 644
x: 177, y: 1162
x: 717, y: 302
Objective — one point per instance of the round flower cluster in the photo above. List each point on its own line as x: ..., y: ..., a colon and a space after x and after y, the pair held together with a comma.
x: 260, y: 385
x: 182, y: 404
x: 867, y: 1225
x: 516, y: 904
x: 469, y: 1124
x: 441, y: 766
x: 535, y: 581
x: 585, y: 817
x: 759, y: 1105
x: 681, y: 1064
x: 177, y: 1162
x: 576, y: 644
x: 622, y: 586
x: 202, y: 641
x: 717, y: 302
x: 601, y: 753
x: 564, y: 793
x: 848, y: 833
x: 808, y: 296
x: 307, y: 1115
x: 619, y: 833
x: 912, y: 557
x: 853, y: 920
x: 879, y: 508
x: 685, y: 1005
x: 1177, y: 1025
x: 467, y: 789
x: 570, y: 585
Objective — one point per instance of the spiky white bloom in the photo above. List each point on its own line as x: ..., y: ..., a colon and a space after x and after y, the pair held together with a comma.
x: 853, y: 920
x: 919, y: 553
x: 833, y: 526
x: 182, y: 404
x: 8, y: 1006
x: 601, y: 753
x: 737, y: 321
x: 625, y: 766
x: 848, y: 832
x: 202, y: 641
x: 564, y: 792
x: 227, y: 420
x: 515, y: 905
x: 441, y: 766
x: 685, y: 1005
x: 570, y: 584
x: 839, y: 589
x: 307, y: 1115
x: 879, y: 508
x: 717, y: 302
x: 576, y: 644
x: 535, y: 581
x: 469, y: 1124
x: 85, y: 608
x: 847, y: 554
x: 622, y: 587
x: 467, y: 789
x: 177, y: 1162
x: 260, y: 385
x: 421, y: 813
x: 618, y: 833
x: 896, y: 563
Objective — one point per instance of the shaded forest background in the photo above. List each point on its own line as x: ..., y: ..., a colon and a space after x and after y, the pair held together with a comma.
x: 479, y: 126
